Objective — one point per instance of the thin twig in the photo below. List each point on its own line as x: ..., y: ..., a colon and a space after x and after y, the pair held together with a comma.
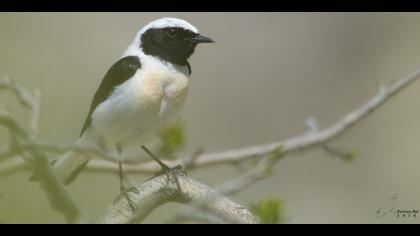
x: 261, y: 171
x: 36, y: 113
x: 295, y: 144
x: 328, y: 148
x: 189, y: 162
x: 24, y: 97
x: 291, y: 145
x: 56, y: 192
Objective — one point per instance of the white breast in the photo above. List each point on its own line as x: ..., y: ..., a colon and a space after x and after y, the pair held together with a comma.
x: 176, y: 92
x: 136, y: 110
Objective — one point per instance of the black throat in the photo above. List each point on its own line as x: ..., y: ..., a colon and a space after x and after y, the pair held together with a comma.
x: 172, y: 44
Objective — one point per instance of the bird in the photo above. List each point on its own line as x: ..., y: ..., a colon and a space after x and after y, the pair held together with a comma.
x: 142, y: 92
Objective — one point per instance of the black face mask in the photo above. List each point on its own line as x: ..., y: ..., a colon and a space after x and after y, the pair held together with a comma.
x: 172, y: 44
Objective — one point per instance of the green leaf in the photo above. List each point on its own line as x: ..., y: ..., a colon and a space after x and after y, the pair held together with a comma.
x: 269, y: 211
x: 172, y: 138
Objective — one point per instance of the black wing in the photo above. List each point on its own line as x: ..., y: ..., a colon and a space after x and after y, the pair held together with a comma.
x: 120, y: 72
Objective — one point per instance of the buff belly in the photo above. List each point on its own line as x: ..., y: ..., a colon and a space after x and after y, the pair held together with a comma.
x: 137, y: 109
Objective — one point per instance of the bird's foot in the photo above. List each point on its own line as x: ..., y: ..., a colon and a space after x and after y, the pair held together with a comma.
x: 166, y: 170
x: 172, y: 172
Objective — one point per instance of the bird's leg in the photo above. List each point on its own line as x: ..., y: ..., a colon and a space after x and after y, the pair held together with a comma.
x: 123, y: 190
x: 175, y: 172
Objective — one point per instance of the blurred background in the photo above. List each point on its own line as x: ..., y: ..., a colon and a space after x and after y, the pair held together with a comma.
x: 266, y: 73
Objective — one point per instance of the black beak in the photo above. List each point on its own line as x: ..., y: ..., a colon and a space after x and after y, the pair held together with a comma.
x: 200, y: 39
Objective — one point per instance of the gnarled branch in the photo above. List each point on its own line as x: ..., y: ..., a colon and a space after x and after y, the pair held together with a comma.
x: 163, y: 189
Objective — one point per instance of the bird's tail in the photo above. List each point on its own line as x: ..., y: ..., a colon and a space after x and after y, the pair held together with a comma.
x: 68, y: 166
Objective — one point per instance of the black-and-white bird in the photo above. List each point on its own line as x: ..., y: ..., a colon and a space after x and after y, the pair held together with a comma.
x: 142, y: 92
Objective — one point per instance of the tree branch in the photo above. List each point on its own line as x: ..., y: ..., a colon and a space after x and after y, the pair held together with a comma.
x: 56, y: 192
x: 163, y: 189
x: 311, y: 139
x: 261, y: 171
x: 292, y: 145
x: 299, y: 143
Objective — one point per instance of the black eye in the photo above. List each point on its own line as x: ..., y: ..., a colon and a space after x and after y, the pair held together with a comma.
x: 171, y: 33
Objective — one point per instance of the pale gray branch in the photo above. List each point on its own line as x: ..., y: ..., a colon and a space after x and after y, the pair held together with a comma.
x: 314, y: 138
x: 300, y: 142
x: 24, y: 97
x: 36, y: 113
x: 163, y: 189
x: 260, y: 171
x: 56, y: 192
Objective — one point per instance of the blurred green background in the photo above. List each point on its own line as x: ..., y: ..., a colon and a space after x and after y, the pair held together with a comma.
x: 266, y: 73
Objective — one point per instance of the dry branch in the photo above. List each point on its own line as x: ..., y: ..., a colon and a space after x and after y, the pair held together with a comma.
x: 163, y: 189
